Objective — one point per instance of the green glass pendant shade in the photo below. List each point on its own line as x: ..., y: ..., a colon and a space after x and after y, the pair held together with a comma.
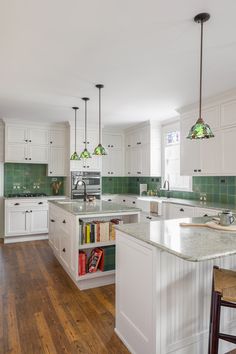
x: 200, y: 130
x: 74, y: 156
x: 85, y: 154
x: 99, y: 150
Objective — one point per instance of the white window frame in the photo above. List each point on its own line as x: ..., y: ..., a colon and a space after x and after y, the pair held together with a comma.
x: 168, y: 128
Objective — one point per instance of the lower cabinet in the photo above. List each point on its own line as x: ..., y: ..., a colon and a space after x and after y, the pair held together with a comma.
x: 176, y: 211
x: 24, y: 219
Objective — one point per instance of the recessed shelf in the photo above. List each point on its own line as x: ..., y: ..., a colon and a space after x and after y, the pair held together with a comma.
x: 96, y: 244
x: 96, y: 274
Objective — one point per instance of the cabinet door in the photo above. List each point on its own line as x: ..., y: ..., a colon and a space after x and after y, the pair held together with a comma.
x: 17, y: 222
x: 39, y: 221
x: 65, y: 248
x: 116, y: 162
x: 228, y: 149
x: 57, y: 162
x: 16, y: 153
x: 128, y: 157
x: 38, y: 136
x: 1, y: 143
x: 176, y: 211
x: 113, y: 141
x: 38, y: 154
x: 136, y: 167
x: 211, y: 155
x: 144, y: 159
x: 57, y: 138
x: 228, y: 113
x: 52, y: 229
x: 16, y: 134
x: 201, y: 212
x: 190, y: 161
x: 106, y: 165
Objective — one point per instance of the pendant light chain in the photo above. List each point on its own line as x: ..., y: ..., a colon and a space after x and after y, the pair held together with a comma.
x: 85, y: 124
x: 75, y: 127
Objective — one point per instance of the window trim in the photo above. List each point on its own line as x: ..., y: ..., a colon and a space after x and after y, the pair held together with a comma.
x: 172, y: 126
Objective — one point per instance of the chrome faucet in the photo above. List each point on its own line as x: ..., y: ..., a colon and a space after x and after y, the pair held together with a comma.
x: 166, y: 185
x: 82, y: 183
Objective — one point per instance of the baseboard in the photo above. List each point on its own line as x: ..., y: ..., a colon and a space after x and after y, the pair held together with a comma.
x: 124, y: 341
x: 15, y: 239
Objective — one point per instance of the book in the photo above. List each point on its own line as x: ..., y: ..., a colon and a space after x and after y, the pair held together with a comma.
x: 107, y: 261
x: 94, y: 259
x: 82, y: 263
x: 87, y: 233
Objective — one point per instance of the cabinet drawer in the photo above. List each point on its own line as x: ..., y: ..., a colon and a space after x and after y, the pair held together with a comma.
x: 21, y: 203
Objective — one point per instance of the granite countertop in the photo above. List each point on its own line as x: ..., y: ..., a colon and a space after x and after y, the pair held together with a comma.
x: 37, y: 197
x: 187, y: 202
x: 189, y: 243
x: 96, y: 207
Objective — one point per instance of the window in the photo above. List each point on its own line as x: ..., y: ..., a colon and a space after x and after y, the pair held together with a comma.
x: 171, y: 158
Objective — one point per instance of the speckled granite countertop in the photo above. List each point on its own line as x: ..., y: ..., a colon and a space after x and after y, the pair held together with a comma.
x: 190, y: 243
x: 97, y: 207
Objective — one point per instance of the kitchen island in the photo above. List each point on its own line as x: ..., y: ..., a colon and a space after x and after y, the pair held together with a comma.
x: 163, y: 285
x: 66, y: 235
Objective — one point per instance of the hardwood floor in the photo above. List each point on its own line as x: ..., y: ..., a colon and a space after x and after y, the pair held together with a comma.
x: 42, y: 311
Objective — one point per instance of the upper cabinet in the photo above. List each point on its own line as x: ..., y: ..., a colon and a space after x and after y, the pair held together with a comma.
x: 210, y: 156
x: 1, y: 142
x: 113, y: 162
x: 143, y: 150
x: 37, y: 144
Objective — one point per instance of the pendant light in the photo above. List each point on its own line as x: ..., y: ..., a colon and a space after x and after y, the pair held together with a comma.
x: 75, y: 156
x: 85, y: 154
x: 200, y: 130
x: 100, y: 150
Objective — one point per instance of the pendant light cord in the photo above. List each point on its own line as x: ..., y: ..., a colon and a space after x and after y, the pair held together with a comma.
x: 100, y: 121
x: 75, y: 129
x: 85, y: 123
x: 200, y: 91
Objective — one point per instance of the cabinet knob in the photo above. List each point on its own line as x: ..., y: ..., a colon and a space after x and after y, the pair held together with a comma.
x: 64, y: 221
x: 26, y: 140
x: 128, y: 173
x: 17, y: 204
x: 109, y: 145
x: 112, y: 146
x: 52, y: 220
x: 50, y: 172
x: 109, y: 200
x: 27, y: 211
x: 112, y: 173
x: 30, y: 141
x: 134, y: 202
x: 109, y: 172
x: 205, y: 215
x: 181, y: 209
x: 129, y: 146
x: 194, y: 170
x: 31, y: 211
x: 139, y: 143
x: 199, y: 170
x: 30, y: 158
x: 26, y: 158
x: 40, y: 202
x: 124, y: 200
x: 63, y: 250
x: 50, y: 142
x: 139, y: 173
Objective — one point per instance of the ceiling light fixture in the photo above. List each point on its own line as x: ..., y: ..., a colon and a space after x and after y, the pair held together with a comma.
x: 75, y: 156
x: 85, y: 154
x: 200, y: 130
x: 100, y: 150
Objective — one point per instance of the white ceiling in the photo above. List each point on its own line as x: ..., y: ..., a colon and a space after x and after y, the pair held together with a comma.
x: 146, y: 53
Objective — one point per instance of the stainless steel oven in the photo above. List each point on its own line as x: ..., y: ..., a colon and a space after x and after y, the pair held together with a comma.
x: 92, y: 181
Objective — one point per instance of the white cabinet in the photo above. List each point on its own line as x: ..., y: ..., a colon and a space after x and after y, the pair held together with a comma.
x: 112, y: 163
x: 228, y: 150
x: 143, y: 151
x: 176, y: 211
x: 58, y: 155
x: 200, y: 212
x: 1, y: 142
x: 26, y: 144
x: 24, y: 217
x: 228, y: 113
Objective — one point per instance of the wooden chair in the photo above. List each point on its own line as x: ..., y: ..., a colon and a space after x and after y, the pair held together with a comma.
x: 223, y: 294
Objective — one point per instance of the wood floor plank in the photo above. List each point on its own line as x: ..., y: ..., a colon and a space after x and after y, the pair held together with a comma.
x: 42, y: 311
x: 44, y: 333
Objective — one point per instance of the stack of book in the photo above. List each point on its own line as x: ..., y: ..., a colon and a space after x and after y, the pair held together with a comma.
x: 98, y: 258
x: 98, y: 231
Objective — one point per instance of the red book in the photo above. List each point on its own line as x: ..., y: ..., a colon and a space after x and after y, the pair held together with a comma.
x: 82, y: 263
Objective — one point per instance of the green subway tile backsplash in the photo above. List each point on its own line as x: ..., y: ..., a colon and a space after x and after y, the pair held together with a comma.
x: 217, y: 189
x: 28, y: 178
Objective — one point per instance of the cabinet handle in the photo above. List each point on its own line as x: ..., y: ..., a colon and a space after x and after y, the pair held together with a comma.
x: 85, y: 142
x: 50, y: 172
x: 112, y: 173
x: 30, y: 141
x: 40, y: 202
x: 50, y: 142
x: 30, y: 158
x: 30, y: 211
x: 109, y: 200
x: 139, y: 173
x: 109, y: 145
x: 63, y: 250
x: 17, y: 204
x: 129, y: 146
x: 134, y: 202
x: 199, y: 170
x: 26, y: 158
x: 27, y: 211
x: 64, y: 221
x: 205, y: 215
x: 52, y: 220
x: 112, y: 146
x: 181, y: 209
x: 139, y: 143
x: 194, y: 170
x: 109, y: 172
x: 26, y: 140
x: 128, y: 173
x: 124, y: 200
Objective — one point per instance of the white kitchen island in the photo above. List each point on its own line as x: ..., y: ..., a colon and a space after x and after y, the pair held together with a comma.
x: 163, y: 286
x: 65, y: 219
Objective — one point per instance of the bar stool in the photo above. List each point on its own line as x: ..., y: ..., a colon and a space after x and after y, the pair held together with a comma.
x: 223, y: 294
